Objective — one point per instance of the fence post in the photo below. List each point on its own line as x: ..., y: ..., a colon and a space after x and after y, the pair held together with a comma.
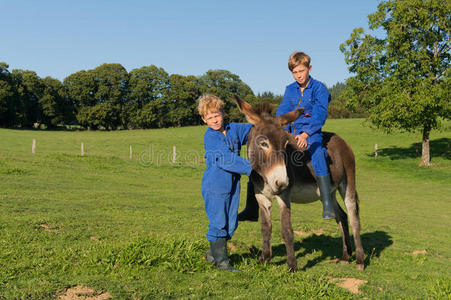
x: 375, y: 150
x: 174, y: 151
x: 131, y: 152
x: 33, y: 147
x: 82, y: 149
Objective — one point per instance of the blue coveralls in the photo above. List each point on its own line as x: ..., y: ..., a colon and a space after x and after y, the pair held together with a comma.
x: 221, y: 180
x: 315, y: 100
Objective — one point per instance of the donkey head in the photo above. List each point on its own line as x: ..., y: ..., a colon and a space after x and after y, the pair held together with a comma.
x: 267, y: 142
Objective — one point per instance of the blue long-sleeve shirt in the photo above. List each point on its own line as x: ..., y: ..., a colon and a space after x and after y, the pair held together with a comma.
x: 223, y: 160
x: 314, y: 99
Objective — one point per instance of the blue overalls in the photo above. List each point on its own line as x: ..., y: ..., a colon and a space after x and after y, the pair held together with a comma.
x: 315, y: 100
x: 221, y: 180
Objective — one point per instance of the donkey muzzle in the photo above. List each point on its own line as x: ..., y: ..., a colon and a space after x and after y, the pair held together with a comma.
x: 277, y: 178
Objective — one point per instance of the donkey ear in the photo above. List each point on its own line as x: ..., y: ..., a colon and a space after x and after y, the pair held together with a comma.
x: 247, y: 109
x: 289, y: 117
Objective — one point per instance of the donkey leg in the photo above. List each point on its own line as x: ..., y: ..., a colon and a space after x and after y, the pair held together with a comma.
x: 265, y: 213
x: 287, y: 231
x: 342, y: 220
x: 352, y: 205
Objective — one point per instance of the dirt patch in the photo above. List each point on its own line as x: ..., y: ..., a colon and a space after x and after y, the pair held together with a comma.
x: 94, y: 238
x: 46, y: 228
x: 80, y: 292
x: 419, y: 252
x: 351, y: 284
x: 338, y: 261
x: 302, y: 233
x: 231, y: 247
x: 317, y: 231
x: 306, y: 234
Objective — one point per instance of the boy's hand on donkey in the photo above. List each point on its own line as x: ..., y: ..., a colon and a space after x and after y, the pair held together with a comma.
x: 301, y: 141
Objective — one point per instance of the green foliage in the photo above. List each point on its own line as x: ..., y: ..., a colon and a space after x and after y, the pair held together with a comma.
x: 56, y: 109
x: 29, y: 89
x: 181, y: 100
x: 337, y: 105
x: 224, y: 84
x: 146, y: 104
x: 268, y: 97
x: 402, y: 78
x: 108, y: 97
x: 7, y: 97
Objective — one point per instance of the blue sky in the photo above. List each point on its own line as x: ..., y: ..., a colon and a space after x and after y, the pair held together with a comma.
x: 252, y: 39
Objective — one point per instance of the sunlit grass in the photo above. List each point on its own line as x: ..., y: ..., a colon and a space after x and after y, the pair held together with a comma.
x: 136, y: 227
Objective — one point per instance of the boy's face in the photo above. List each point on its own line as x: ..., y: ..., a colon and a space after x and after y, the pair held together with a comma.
x: 301, y: 74
x: 214, y: 120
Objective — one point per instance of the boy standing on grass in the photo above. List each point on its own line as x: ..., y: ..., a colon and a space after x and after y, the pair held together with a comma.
x: 313, y: 96
x: 221, y: 180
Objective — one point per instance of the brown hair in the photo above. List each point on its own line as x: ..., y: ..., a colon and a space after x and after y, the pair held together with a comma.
x: 297, y: 58
x: 209, y: 103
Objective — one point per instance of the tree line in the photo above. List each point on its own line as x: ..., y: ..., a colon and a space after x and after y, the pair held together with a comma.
x: 108, y: 97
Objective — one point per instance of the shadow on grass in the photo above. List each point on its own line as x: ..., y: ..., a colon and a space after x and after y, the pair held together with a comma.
x: 331, y: 247
x: 438, y: 148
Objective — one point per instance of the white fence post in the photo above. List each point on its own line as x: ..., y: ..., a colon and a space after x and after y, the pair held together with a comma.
x: 174, y: 151
x: 33, y: 147
x: 375, y: 150
x: 131, y: 152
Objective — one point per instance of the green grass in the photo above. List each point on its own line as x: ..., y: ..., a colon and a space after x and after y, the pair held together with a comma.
x: 136, y: 228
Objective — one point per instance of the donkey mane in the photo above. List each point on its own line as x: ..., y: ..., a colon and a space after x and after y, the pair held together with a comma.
x: 264, y: 109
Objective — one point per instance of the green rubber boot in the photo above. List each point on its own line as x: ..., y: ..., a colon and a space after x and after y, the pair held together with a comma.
x: 219, y: 252
x: 209, y: 257
x: 324, y: 190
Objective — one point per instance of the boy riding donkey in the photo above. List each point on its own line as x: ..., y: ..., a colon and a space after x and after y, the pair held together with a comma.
x: 314, y: 98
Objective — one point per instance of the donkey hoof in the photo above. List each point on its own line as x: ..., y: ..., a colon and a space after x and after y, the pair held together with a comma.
x: 344, y: 259
x: 263, y: 261
x: 292, y: 267
x: 360, y: 267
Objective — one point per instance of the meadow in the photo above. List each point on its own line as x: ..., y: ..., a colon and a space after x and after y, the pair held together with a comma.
x: 135, y: 228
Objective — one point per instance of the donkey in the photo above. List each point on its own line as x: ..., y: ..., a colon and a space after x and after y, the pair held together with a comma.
x: 283, y: 172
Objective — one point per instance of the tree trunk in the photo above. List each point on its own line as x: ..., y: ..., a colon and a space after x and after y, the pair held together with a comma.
x: 425, y: 153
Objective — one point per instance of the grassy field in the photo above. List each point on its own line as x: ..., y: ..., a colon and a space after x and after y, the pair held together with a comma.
x: 135, y: 228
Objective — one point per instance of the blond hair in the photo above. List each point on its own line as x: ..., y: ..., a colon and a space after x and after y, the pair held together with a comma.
x: 297, y: 58
x: 209, y: 103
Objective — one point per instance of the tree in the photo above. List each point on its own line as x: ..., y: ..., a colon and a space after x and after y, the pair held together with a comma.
x: 337, y: 106
x: 29, y: 89
x: 146, y: 103
x: 269, y: 97
x: 7, y: 96
x: 111, y: 94
x: 99, y: 96
x: 403, y: 79
x: 53, y: 103
x: 223, y: 84
x: 181, y: 97
x: 80, y: 88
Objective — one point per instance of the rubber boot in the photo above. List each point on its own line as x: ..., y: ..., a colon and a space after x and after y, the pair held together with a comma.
x: 324, y: 190
x: 219, y: 252
x: 250, y: 213
x: 209, y: 257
